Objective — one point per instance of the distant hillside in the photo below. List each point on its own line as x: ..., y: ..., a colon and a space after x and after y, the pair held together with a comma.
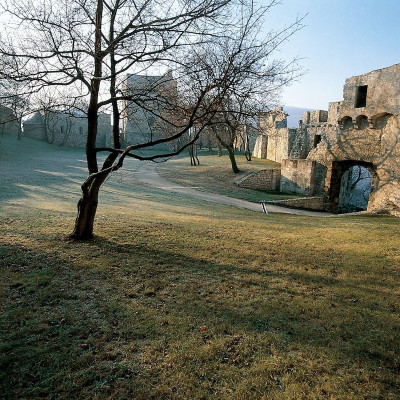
x: 295, y: 115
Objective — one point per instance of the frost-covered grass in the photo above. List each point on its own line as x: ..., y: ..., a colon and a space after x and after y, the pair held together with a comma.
x: 178, y: 299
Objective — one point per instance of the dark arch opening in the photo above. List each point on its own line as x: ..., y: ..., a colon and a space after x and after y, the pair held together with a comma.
x: 355, y: 187
x: 347, y: 123
x: 351, y: 183
x: 362, y: 122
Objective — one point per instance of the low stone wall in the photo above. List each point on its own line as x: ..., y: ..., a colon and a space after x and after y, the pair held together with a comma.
x: 297, y: 176
x: 67, y: 130
x: 311, y: 203
x: 265, y: 179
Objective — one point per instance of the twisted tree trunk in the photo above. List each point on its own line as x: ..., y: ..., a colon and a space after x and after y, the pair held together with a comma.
x: 87, y: 207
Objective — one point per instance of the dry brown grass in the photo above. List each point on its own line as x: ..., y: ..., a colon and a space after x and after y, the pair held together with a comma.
x: 214, y: 174
x: 177, y: 299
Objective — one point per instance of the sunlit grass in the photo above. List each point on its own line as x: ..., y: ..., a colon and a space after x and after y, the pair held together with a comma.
x: 214, y: 174
x: 178, y: 299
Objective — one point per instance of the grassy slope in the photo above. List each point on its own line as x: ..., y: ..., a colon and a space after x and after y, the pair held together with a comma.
x: 183, y: 300
x: 214, y: 174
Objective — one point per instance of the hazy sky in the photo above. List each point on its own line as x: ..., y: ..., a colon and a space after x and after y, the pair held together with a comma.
x: 341, y: 38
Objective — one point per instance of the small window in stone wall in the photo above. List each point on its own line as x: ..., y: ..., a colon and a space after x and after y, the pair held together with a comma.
x: 317, y: 139
x: 62, y: 129
x: 80, y: 130
x: 362, y: 122
x: 281, y: 124
x: 347, y: 123
x: 361, y: 96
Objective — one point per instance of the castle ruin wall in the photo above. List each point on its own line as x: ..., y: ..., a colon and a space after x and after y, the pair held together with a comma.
x: 266, y: 179
x: 297, y: 176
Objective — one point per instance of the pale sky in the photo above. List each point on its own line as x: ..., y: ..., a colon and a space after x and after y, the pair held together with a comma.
x: 341, y: 38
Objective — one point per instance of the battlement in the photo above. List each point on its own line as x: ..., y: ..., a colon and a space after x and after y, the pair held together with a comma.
x: 276, y: 118
x: 314, y: 117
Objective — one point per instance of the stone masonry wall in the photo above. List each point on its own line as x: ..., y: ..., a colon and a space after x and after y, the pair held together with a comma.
x: 297, y: 176
x: 35, y: 131
x: 274, y: 141
x: 333, y: 112
x: 139, y: 124
x: 260, y: 147
x: 316, y: 117
x: 365, y: 131
x: 278, y: 144
x: 362, y: 129
x: 66, y: 130
x: 266, y: 179
x: 311, y: 203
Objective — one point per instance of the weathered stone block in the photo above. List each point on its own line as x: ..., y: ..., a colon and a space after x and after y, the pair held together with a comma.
x: 297, y: 176
x: 266, y: 179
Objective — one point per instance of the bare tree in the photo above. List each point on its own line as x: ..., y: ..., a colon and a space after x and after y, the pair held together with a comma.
x: 227, y: 126
x: 90, y: 45
x: 257, y: 87
x: 194, y: 160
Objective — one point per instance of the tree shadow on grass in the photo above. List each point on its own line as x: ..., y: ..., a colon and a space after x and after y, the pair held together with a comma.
x: 101, y: 320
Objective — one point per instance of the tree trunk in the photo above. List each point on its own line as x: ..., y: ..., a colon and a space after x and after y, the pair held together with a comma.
x: 247, y: 151
x: 193, y: 155
x: 19, y: 130
x: 232, y: 158
x: 87, y: 207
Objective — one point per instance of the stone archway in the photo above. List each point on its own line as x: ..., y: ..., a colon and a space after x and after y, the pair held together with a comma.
x: 339, y: 168
x: 355, y: 188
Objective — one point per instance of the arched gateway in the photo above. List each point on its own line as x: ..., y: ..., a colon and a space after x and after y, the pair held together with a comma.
x: 341, y: 169
x: 361, y: 130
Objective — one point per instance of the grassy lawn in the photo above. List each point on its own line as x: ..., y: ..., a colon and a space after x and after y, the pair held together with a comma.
x: 214, y: 174
x: 178, y: 299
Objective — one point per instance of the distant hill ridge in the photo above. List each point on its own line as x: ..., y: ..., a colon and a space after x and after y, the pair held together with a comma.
x: 295, y: 115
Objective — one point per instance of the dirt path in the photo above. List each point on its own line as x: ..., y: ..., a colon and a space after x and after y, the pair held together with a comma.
x: 147, y: 174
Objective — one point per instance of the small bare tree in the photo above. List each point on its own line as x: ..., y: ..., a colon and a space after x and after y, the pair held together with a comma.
x: 257, y: 87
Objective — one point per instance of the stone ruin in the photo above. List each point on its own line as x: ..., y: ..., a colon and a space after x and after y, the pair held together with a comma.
x: 66, y: 128
x: 8, y: 121
x: 350, y: 151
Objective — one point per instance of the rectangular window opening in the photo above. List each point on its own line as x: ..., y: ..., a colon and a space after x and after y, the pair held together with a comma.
x: 317, y: 139
x: 361, y: 96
